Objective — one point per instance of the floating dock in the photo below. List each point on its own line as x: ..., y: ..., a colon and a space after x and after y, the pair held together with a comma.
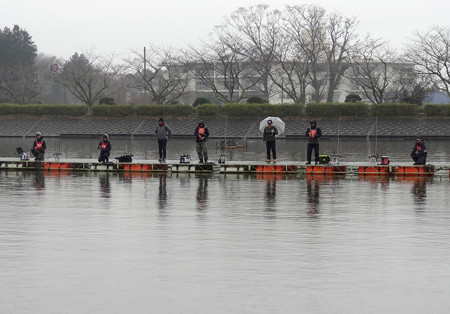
x: 229, y: 167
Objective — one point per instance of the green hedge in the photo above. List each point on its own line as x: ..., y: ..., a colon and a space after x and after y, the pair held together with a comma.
x: 394, y: 110
x: 337, y: 109
x: 437, y: 110
x: 259, y: 110
x: 230, y: 109
x: 164, y: 110
x: 113, y: 110
x: 207, y: 110
x: 44, y: 110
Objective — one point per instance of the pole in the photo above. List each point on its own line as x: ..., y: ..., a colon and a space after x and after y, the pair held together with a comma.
x: 145, y: 74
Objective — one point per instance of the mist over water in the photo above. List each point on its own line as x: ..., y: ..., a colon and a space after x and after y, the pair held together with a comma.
x: 183, y: 243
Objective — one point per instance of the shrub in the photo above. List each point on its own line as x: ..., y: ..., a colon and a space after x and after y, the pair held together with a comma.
x: 256, y: 100
x: 394, y: 110
x: 246, y: 110
x: 113, y: 111
x: 352, y: 98
x: 106, y: 101
x: 163, y: 110
x: 437, y: 110
x: 200, y: 101
x: 337, y: 109
x: 41, y: 110
x: 204, y: 110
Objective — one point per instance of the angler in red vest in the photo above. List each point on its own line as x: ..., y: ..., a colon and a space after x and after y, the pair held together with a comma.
x: 201, y: 134
x: 419, y: 152
x: 313, y: 133
x: 105, y: 149
x: 39, y: 147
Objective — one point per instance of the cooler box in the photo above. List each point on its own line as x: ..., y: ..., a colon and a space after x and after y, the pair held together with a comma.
x: 324, y: 159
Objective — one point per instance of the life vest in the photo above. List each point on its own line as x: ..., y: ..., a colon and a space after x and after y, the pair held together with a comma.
x: 201, y: 131
x: 312, y: 132
x: 38, y: 145
x: 418, y: 148
x: 104, y: 145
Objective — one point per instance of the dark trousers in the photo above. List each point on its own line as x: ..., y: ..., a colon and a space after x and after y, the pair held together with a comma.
x: 420, y: 158
x: 162, y: 143
x: 39, y: 154
x: 312, y: 146
x: 270, y: 146
x: 104, y: 156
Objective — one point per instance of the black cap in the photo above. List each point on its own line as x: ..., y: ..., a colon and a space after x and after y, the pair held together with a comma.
x: 269, y: 121
x: 105, y: 136
x: 313, y: 121
x: 161, y: 120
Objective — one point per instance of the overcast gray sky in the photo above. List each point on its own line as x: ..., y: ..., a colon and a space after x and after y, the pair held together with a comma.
x: 117, y: 26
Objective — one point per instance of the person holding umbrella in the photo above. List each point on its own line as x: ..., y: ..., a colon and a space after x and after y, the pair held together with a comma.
x: 313, y: 133
x: 269, y: 139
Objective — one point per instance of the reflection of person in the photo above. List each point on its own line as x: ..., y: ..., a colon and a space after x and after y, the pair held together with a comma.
x: 162, y: 194
x: 269, y: 139
x: 162, y: 133
x: 202, y: 192
x: 313, y: 133
x: 39, y: 147
x: 419, y: 152
x: 105, y: 186
x: 201, y: 134
x: 313, y: 195
x: 419, y: 190
x: 105, y: 149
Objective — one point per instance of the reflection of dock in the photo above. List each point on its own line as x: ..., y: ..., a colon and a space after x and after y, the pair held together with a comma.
x: 229, y: 167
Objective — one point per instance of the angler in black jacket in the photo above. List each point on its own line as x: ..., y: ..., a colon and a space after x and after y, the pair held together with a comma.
x: 38, y: 149
x: 419, y: 152
x: 313, y: 133
x: 201, y: 134
x: 105, y: 149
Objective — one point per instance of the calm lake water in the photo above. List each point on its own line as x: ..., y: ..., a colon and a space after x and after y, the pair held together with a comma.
x: 185, y: 243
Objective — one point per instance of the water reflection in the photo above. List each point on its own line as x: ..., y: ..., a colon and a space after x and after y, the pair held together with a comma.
x: 418, y: 188
x: 162, y: 191
x: 39, y: 180
x: 202, y: 191
x: 105, y: 185
x: 313, y: 193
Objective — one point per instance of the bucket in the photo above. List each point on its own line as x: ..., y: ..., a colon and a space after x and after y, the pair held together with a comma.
x: 384, y: 160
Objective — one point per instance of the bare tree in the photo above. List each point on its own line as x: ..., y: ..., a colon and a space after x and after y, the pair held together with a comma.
x: 20, y: 83
x: 375, y: 69
x: 221, y: 70
x: 89, y: 77
x: 255, y: 34
x: 305, y: 27
x: 430, y: 52
x: 160, y: 73
x: 337, y: 44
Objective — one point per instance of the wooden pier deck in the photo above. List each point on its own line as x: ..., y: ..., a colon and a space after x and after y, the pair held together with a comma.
x: 367, y: 169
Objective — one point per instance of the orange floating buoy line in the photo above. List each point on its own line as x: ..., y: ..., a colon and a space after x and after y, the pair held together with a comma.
x: 229, y: 167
